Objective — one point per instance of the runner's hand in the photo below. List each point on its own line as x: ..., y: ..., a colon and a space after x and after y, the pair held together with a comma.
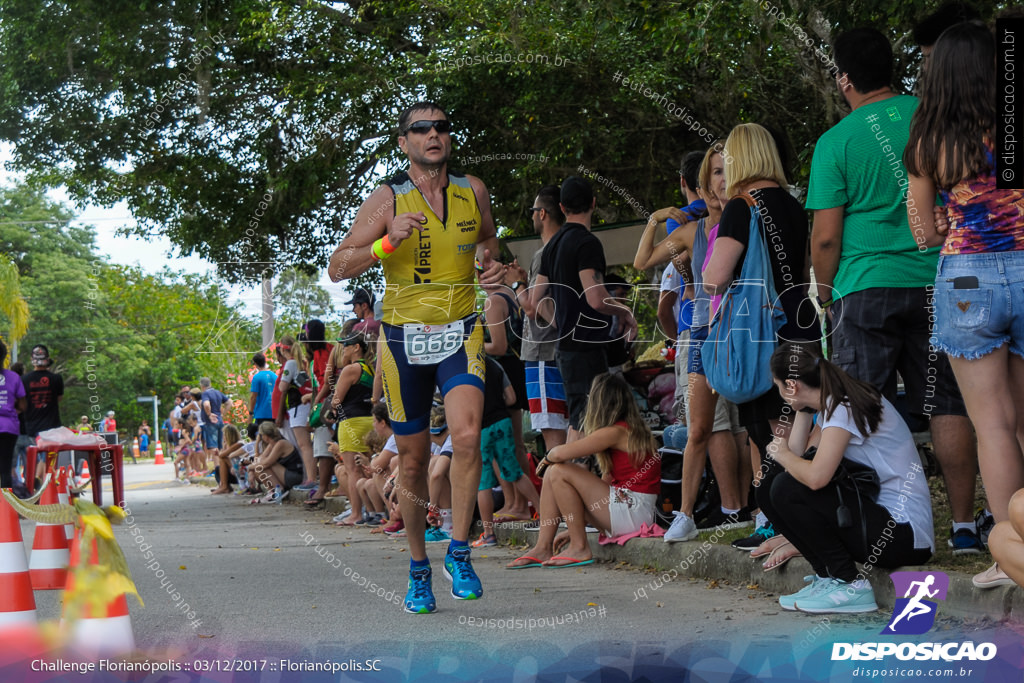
x: 491, y: 273
x: 403, y: 226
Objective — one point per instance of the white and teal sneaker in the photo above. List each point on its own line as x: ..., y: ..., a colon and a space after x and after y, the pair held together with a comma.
x: 814, y: 584
x: 683, y: 528
x: 839, y: 597
x: 436, y: 535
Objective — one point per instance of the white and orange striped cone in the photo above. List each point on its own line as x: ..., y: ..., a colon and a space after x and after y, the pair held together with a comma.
x: 64, y: 498
x: 105, y: 634
x: 159, y: 453
x: 48, y: 562
x: 135, y: 447
x: 85, y: 471
x: 18, y: 605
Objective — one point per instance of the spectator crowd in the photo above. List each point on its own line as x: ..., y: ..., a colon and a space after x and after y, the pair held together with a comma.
x: 887, y: 310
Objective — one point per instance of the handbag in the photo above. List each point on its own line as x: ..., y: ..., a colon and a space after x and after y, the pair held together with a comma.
x: 856, y: 479
x: 315, y: 419
x: 744, y: 332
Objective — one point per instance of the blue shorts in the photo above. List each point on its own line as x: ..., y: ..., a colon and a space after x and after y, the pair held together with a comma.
x: 212, y: 435
x: 546, y: 395
x: 496, y: 443
x: 972, y: 321
x: 409, y: 389
x: 694, y: 363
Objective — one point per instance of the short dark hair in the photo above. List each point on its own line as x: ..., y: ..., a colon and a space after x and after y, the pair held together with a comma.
x: 865, y: 56
x: 3, y: 353
x: 424, y: 105
x: 548, y: 198
x: 316, y: 334
x: 380, y: 411
x: 576, y: 195
x: 259, y: 360
x: 689, y: 168
x: 927, y: 32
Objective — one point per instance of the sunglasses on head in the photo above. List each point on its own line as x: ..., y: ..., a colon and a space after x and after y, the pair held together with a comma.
x: 423, y: 127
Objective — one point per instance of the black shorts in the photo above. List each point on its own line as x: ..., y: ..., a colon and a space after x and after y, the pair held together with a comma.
x: 883, y: 331
x: 516, y: 372
x: 579, y: 368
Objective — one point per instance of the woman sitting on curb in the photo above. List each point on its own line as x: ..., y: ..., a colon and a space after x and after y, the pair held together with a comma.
x: 278, y: 466
x: 833, y: 525
x: 621, y: 501
x: 233, y: 448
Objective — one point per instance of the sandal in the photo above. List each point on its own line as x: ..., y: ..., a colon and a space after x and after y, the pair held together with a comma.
x: 771, y: 543
x: 314, y: 503
x: 780, y: 556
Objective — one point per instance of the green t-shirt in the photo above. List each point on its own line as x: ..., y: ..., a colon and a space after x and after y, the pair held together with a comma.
x: 858, y: 163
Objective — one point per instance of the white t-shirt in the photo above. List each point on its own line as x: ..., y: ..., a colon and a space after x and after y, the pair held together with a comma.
x: 391, y: 445
x: 891, y: 452
x: 446, y: 447
x: 670, y: 283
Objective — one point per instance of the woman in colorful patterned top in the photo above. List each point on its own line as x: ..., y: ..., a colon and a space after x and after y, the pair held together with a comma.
x: 979, y: 287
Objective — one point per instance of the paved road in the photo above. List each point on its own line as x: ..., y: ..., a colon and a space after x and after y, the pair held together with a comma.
x: 271, y: 582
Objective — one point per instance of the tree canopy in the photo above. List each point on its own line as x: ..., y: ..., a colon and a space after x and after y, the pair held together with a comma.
x: 249, y: 131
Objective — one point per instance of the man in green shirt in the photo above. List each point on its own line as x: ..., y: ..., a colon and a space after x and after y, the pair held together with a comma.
x: 872, y: 278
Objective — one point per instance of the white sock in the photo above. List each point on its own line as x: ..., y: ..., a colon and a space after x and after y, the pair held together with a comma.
x: 446, y: 521
x: 762, y: 519
x: 726, y: 511
x: 957, y: 526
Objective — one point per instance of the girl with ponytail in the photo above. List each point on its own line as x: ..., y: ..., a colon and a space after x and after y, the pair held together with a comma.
x: 834, y: 525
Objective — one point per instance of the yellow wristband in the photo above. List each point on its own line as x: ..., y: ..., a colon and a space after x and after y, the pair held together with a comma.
x: 378, y: 249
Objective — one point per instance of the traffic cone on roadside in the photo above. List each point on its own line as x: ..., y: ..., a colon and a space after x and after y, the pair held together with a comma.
x: 159, y: 453
x: 107, y: 632
x: 18, y: 605
x: 48, y: 562
x: 135, y: 447
x: 85, y: 470
x: 64, y: 498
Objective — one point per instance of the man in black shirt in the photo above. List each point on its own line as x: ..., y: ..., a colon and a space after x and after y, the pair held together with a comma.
x: 44, y: 391
x: 573, y: 265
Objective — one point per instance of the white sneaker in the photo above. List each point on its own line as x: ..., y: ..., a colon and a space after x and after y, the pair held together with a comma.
x: 683, y: 529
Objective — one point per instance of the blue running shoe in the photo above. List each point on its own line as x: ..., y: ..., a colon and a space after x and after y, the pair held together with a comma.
x: 965, y: 542
x: 420, y: 597
x: 436, y: 535
x: 458, y: 570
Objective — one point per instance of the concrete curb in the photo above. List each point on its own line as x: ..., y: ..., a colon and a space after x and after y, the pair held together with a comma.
x: 707, y: 560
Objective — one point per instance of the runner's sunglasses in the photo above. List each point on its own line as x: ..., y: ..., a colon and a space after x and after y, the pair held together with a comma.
x: 423, y: 127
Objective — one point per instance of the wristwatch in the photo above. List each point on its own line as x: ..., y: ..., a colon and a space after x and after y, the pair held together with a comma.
x: 516, y: 285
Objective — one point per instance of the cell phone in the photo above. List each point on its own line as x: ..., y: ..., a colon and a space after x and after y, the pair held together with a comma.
x: 965, y: 282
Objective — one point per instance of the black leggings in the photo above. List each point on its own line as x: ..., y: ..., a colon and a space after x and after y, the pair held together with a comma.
x: 7, y: 444
x: 808, y: 520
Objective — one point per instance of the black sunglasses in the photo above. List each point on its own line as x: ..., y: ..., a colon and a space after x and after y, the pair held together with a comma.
x: 423, y: 127
x: 534, y: 209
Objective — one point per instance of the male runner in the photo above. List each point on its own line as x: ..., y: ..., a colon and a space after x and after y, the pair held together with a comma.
x: 427, y: 226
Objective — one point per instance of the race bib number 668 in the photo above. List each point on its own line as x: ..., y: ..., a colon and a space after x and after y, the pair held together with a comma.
x: 431, y: 344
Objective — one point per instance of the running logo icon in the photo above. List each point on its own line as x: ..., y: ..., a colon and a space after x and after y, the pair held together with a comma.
x: 914, y: 613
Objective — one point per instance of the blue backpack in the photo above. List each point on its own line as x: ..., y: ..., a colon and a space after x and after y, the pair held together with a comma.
x: 743, y: 333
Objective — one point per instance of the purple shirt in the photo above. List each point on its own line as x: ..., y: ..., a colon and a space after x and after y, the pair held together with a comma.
x: 11, y: 389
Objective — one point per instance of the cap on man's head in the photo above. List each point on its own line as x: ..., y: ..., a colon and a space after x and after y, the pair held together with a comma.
x: 577, y: 196
x: 110, y: 413
x: 361, y: 296
x: 41, y: 356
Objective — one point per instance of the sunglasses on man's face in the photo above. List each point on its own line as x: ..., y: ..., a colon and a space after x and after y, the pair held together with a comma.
x: 534, y: 209
x: 423, y: 127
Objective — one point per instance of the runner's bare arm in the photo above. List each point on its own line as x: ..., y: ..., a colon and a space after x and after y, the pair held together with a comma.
x: 353, y: 256
x: 487, y: 246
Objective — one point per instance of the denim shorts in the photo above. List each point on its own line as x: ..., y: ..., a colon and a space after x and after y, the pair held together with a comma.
x: 979, y: 303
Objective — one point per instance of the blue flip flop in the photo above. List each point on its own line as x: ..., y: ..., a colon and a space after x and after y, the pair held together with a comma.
x: 574, y: 563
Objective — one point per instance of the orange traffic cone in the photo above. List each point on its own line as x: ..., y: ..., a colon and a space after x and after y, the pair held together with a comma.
x: 108, y: 633
x: 85, y: 470
x: 159, y: 453
x: 48, y: 562
x: 64, y: 498
x: 18, y: 605
x: 135, y: 447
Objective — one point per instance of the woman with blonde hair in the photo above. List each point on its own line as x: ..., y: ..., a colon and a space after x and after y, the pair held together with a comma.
x: 619, y: 502
x: 756, y: 183
x: 709, y: 418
